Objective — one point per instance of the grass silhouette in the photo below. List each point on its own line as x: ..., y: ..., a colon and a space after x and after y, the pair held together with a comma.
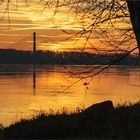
x: 95, y: 122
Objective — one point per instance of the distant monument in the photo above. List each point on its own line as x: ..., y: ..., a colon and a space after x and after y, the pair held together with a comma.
x: 34, y: 42
x: 34, y: 64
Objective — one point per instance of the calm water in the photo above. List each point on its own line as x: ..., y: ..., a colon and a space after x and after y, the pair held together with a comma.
x: 27, y: 88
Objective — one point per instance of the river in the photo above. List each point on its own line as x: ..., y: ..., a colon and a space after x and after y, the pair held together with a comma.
x: 26, y: 89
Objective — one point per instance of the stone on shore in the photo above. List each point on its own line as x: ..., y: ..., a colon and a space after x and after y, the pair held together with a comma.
x: 100, y: 108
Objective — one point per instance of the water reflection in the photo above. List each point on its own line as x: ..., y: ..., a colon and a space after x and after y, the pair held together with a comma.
x: 34, y: 79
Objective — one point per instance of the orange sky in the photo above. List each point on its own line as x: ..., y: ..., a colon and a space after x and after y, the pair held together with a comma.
x: 25, y: 20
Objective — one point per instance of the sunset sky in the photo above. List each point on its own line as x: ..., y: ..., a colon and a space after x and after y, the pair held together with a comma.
x: 26, y: 19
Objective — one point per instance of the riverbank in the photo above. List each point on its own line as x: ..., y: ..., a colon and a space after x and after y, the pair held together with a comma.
x: 98, y: 121
x: 12, y: 56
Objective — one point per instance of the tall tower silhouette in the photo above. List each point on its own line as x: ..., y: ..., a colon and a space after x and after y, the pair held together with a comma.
x: 34, y: 63
x: 34, y: 42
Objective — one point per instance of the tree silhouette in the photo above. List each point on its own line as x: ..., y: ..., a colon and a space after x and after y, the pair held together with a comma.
x: 104, y: 18
x: 134, y: 9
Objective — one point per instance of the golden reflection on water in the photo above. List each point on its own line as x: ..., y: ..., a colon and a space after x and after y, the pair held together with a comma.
x: 25, y: 89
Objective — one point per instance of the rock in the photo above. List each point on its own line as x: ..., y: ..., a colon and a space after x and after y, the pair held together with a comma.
x: 101, y: 108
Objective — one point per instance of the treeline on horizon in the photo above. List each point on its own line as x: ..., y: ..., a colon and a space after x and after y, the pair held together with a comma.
x: 12, y: 56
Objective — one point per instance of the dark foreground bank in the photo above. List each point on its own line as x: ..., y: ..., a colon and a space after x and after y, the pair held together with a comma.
x: 98, y: 121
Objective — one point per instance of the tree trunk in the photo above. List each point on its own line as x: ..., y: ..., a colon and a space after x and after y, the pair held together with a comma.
x: 134, y: 9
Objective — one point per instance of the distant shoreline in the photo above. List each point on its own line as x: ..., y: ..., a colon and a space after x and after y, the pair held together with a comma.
x: 11, y: 56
